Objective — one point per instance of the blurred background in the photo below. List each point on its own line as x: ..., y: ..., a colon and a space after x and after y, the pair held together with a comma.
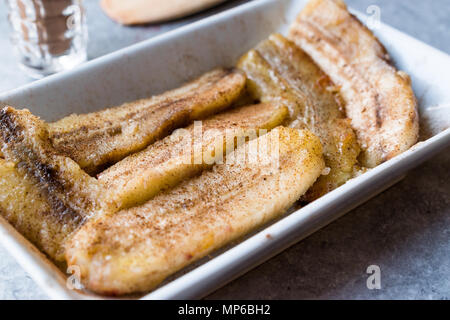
x: 404, y: 230
x: 425, y: 20
x: 105, y: 36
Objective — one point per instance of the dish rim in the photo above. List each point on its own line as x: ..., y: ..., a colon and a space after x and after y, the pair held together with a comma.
x: 53, y: 281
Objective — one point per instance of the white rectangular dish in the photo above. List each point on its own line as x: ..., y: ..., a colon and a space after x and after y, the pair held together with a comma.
x: 166, y: 61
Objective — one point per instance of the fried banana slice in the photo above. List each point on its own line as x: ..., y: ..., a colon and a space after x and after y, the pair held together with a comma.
x: 379, y: 99
x: 135, y: 249
x: 30, y: 212
x: 67, y: 188
x: 99, y: 139
x: 278, y: 71
x: 187, y: 152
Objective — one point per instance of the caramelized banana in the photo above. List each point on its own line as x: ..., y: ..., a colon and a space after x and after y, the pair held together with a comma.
x: 135, y: 249
x: 99, y: 139
x: 278, y: 71
x: 68, y: 189
x: 186, y: 153
x: 29, y: 211
x: 44, y: 194
x: 379, y: 99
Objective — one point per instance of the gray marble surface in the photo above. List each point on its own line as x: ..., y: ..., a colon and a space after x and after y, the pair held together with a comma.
x: 405, y: 230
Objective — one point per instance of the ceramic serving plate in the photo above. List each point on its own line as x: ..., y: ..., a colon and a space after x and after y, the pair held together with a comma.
x: 166, y: 61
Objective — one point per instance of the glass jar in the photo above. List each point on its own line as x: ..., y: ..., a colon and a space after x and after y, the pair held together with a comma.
x: 49, y: 36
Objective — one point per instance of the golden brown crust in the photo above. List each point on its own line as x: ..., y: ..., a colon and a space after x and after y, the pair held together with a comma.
x: 68, y: 189
x: 29, y: 211
x: 135, y: 249
x: 44, y: 194
x: 101, y: 138
x: 186, y: 152
x: 379, y: 99
x: 278, y: 71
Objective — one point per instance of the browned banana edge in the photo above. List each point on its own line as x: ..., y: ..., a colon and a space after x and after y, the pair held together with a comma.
x: 102, y: 138
x: 185, y: 153
x: 135, y: 249
x: 277, y: 70
x: 72, y: 195
x: 379, y: 99
x: 25, y: 207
